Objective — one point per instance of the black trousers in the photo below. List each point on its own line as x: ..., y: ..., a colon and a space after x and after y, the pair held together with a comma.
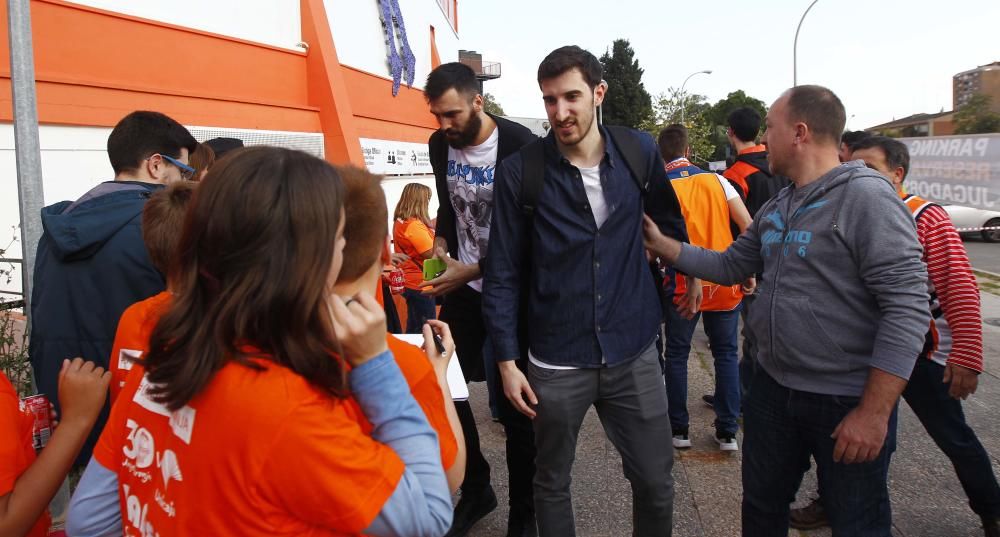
x: 462, y: 310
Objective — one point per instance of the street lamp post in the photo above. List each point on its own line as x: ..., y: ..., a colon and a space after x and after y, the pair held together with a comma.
x: 683, y: 96
x: 795, y: 46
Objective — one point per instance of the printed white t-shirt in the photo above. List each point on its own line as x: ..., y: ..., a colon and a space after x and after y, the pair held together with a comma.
x: 470, y: 177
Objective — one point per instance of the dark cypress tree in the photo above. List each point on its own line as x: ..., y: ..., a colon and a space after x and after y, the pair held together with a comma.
x: 627, y: 102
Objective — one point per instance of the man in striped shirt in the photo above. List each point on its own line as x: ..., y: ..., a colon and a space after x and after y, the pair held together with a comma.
x: 949, y: 366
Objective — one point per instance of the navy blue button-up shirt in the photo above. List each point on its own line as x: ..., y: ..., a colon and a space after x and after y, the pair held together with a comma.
x: 592, y: 299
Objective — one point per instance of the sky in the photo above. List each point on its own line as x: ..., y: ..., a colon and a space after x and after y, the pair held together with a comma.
x: 885, y: 59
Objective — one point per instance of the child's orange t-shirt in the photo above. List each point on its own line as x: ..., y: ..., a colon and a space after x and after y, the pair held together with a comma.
x: 258, y: 453
x: 138, y: 321
x: 420, y: 375
x: 132, y: 337
x: 17, y: 452
x: 412, y: 237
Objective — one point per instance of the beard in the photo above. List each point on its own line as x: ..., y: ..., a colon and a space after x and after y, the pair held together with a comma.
x: 459, y: 139
x: 583, y: 124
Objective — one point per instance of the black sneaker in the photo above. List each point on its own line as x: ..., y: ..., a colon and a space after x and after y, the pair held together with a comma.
x: 709, y: 400
x: 471, y: 508
x: 726, y: 441
x: 680, y: 438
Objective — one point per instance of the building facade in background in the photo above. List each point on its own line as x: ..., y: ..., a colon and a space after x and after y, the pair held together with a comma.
x: 983, y: 80
x: 940, y: 124
x: 330, y: 77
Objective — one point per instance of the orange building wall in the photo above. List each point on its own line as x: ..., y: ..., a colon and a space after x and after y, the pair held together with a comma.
x: 95, y: 66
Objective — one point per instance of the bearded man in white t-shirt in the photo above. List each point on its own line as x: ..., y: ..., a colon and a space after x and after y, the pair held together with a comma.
x: 464, y: 154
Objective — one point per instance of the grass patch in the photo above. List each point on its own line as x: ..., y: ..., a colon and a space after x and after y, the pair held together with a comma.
x: 988, y: 283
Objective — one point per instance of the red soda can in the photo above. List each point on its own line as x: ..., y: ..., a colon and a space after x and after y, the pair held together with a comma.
x: 396, y: 280
x: 38, y: 406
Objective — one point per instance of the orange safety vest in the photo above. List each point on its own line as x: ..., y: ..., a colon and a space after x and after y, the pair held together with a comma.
x: 706, y: 212
x: 915, y: 204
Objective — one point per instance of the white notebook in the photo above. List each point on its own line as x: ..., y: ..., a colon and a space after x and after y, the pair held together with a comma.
x: 456, y: 379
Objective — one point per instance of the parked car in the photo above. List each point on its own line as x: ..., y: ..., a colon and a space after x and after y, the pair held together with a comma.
x: 971, y: 221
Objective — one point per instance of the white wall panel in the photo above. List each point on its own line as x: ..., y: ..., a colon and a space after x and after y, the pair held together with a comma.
x: 273, y: 22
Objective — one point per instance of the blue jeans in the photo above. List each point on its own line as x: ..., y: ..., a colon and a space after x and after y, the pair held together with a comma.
x: 419, y: 308
x: 782, y: 429
x: 944, y: 420
x: 722, y: 329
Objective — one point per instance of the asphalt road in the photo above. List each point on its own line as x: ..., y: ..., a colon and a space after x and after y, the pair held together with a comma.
x: 984, y: 255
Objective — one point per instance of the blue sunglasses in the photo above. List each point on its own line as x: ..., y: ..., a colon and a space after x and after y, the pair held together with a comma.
x: 187, y: 172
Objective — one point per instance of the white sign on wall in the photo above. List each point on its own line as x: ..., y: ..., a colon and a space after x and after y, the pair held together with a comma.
x: 959, y: 170
x: 388, y: 157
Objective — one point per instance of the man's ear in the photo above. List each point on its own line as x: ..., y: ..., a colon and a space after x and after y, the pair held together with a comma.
x: 897, y: 175
x: 154, y: 166
x: 599, y: 92
x: 478, y: 103
x: 801, y: 132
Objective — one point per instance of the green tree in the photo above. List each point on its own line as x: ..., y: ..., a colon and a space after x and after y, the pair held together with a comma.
x: 667, y: 111
x: 736, y: 99
x: 719, y: 114
x: 976, y: 117
x: 491, y: 105
x: 627, y: 102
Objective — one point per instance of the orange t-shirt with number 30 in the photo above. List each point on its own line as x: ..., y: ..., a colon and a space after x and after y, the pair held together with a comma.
x: 258, y: 453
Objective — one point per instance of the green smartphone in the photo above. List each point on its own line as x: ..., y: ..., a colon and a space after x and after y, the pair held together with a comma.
x: 433, y: 268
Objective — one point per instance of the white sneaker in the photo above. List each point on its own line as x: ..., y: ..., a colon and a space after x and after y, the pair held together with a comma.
x: 726, y: 442
x: 681, y: 441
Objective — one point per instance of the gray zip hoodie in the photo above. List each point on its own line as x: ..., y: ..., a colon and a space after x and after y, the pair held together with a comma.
x: 843, y: 288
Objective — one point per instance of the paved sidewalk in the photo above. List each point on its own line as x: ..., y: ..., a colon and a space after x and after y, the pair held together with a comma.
x: 927, y: 499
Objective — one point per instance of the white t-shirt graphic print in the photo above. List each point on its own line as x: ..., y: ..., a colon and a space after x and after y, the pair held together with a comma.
x: 470, y: 177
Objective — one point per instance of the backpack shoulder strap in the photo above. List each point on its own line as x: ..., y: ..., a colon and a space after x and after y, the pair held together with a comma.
x: 532, y: 176
x: 627, y: 142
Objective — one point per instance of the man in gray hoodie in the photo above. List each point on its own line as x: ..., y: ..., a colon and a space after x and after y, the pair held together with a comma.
x: 842, y: 316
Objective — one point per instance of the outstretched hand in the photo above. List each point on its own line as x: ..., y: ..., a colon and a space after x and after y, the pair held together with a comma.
x: 455, y: 275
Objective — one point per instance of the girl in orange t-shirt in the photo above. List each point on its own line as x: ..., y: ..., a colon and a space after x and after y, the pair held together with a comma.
x: 412, y: 235
x: 27, y: 483
x: 268, y: 404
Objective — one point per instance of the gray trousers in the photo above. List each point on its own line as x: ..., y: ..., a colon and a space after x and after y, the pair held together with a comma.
x: 632, y: 404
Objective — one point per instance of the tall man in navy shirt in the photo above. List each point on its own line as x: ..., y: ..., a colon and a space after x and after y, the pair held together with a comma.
x: 593, y: 307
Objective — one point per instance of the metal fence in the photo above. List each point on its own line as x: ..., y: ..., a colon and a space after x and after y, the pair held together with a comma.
x: 10, y: 300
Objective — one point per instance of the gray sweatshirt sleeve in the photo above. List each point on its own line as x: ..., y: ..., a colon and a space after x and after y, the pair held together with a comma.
x: 737, y: 263
x: 883, y: 237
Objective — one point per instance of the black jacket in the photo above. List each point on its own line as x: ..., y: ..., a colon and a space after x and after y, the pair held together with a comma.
x: 512, y: 135
x: 752, y: 177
